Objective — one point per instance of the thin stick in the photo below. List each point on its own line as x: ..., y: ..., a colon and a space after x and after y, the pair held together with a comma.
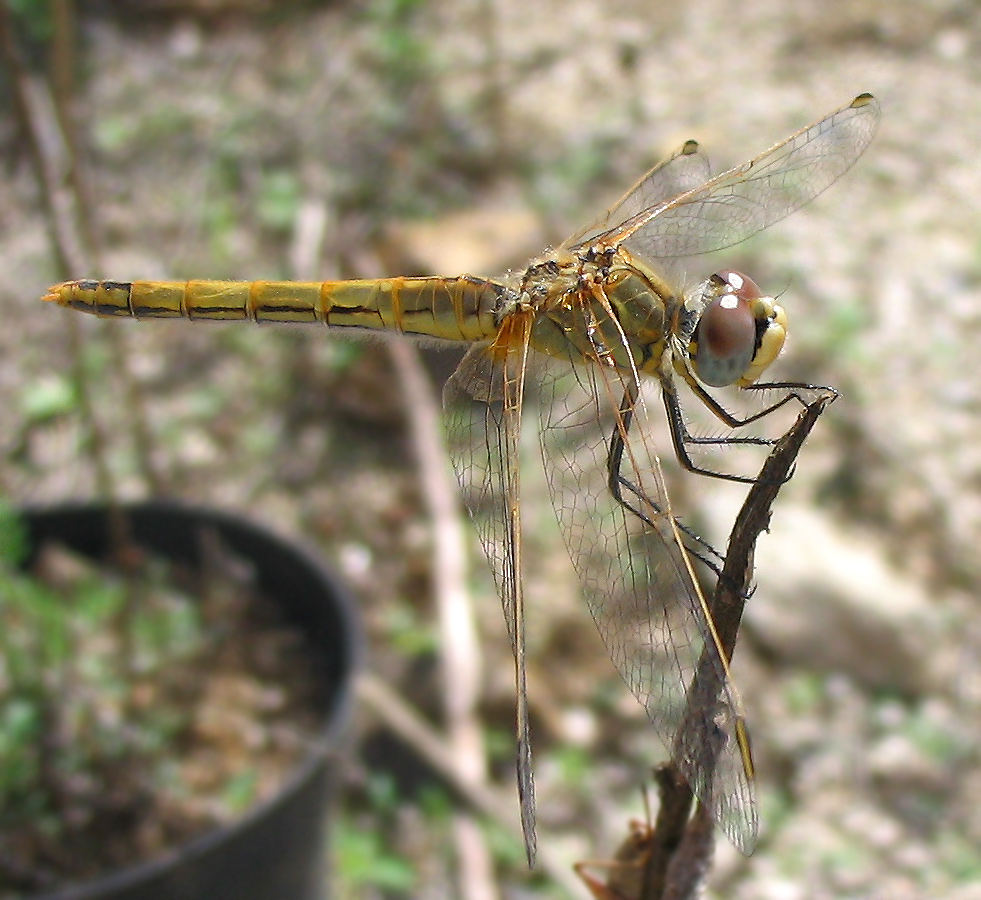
x: 433, y: 747
x: 44, y: 119
x: 680, y: 851
x: 459, y: 646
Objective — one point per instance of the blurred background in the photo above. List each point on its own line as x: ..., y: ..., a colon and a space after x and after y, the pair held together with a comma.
x: 359, y: 138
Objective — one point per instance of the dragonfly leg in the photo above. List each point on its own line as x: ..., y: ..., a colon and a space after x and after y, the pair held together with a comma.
x: 793, y: 391
x: 621, y: 488
x: 682, y: 438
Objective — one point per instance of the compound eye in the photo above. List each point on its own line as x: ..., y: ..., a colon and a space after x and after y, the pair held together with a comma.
x: 726, y: 336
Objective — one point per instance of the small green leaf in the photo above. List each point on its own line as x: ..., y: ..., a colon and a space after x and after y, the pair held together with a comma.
x: 47, y: 397
x: 240, y: 791
x: 362, y: 860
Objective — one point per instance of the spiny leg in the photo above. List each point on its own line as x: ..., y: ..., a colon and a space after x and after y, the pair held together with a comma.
x: 682, y: 439
x: 617, y: 483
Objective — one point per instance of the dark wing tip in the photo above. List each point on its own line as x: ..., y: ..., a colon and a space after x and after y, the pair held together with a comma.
x: 862, y: 100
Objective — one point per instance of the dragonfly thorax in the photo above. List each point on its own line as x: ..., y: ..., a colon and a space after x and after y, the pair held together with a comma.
x: 600, y: 304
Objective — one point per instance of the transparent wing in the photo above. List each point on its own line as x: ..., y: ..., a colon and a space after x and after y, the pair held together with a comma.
x: 482, y: 401
x: 681, y: 172
x: 637, y: 584
x: 748, y: 198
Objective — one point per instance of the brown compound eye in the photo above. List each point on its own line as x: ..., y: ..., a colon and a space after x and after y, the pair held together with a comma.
x: 726, y: 336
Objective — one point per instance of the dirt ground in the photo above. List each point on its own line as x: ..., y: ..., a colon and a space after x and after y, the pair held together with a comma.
x: 399, y: 137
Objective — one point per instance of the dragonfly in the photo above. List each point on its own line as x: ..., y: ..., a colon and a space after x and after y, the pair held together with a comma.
x: 594, y: 329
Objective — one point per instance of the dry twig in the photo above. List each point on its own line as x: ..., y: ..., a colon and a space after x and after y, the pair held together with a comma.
x: 459, y: 645
x: 432, y: 746
x: 677, y: 854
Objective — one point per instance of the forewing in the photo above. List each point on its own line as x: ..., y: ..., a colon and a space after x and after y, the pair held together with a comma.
x: 482, y: 401
x: 483, y: 448
x: 683, y: 171
x: 748, y: 198
x: 637, y: 584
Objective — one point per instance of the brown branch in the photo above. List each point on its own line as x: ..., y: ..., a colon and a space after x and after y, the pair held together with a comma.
x: 735, y: 582
x: 433, y: 747
x: 459, y: 646
x: 678, y: 855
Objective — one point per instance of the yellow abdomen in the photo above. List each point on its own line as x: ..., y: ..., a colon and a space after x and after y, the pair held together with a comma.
x: 456, y: 309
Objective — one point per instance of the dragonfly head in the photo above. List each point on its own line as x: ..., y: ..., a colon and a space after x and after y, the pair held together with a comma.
x: 739, y: 332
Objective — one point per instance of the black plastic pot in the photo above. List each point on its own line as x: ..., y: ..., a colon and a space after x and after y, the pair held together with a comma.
x: 278, y: 850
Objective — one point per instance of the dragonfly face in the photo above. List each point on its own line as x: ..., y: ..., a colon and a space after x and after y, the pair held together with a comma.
x: 738, y: 332
x: 594, y: 323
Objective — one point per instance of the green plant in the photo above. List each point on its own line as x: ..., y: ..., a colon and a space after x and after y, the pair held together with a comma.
x: 363, y: 861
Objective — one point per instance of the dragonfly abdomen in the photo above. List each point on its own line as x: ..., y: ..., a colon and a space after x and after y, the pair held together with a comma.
x: 458, y: 309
